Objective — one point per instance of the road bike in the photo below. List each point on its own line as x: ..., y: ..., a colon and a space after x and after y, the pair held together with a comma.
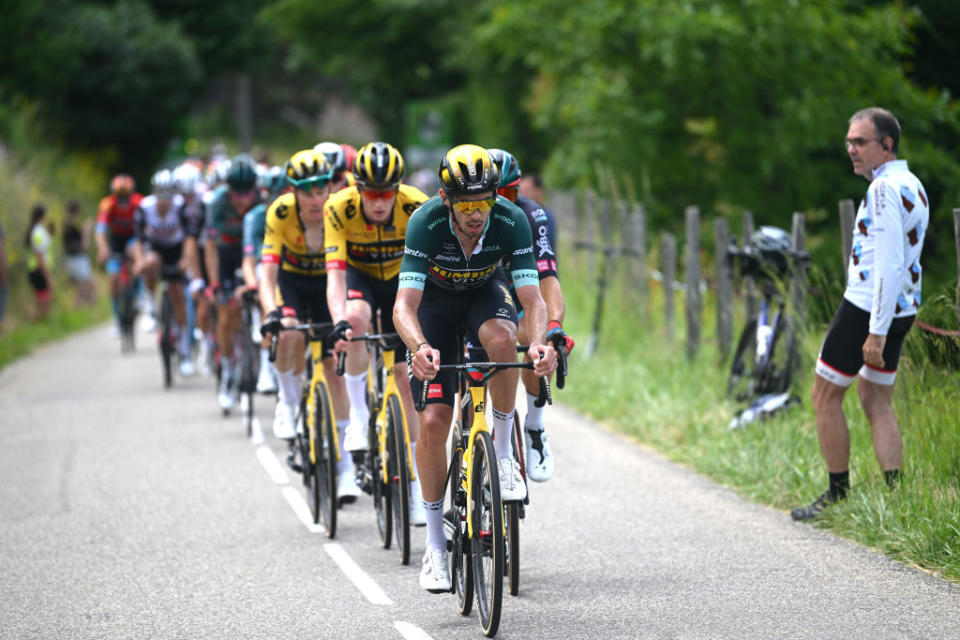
x: 386, y: 468
x: 315, y: 450
x: 249, y: 358
x: 167, y: 338
x: 766, y: 356
x: 127, y: 305
x: 475, y: 522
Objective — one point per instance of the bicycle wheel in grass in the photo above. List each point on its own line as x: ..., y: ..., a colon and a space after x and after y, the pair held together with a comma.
x: 487, y: 544
x: 325, y: 467
x: 399, y: 478
x: 740, y: 383
x: 777, y: 373
x: 166, y: 339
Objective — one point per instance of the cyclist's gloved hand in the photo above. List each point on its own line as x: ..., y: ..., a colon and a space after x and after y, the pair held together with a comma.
x: 197, y: 284
x: 272, y: 323
x: 212, y: 291
x: 339, y: 331
x: 556, y: 334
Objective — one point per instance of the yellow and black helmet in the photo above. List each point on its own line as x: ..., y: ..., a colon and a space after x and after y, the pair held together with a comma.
x: 308, y: 168
x: 378, y: 165
x: 467, y: 169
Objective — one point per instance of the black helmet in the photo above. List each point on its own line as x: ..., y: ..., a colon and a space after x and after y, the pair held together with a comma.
x: 242, y: 175
x: 771, y: 245
x: 378, y: 165
x: 467, y: 169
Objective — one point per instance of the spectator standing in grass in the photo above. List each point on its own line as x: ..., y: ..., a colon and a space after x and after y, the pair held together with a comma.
x: 4, y: 284
x: 38, y: 242
x: 76, y: 241
x: 879, y: 305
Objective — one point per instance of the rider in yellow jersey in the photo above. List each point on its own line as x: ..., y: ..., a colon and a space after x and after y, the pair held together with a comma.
x: 293, y: 289
x: 364, y: 230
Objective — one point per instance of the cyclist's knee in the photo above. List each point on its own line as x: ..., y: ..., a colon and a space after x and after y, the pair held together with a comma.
x: 499, y: 339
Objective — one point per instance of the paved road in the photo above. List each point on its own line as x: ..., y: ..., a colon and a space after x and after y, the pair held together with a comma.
x: 130, y: 512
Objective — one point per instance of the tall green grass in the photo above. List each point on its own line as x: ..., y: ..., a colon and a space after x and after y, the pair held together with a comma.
x: 641, y: 384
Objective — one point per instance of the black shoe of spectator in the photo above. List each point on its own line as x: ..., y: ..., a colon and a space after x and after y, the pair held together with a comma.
x: 815, y: 508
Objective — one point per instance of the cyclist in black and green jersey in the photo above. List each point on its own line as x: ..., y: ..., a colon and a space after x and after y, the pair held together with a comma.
x: 451, y: 276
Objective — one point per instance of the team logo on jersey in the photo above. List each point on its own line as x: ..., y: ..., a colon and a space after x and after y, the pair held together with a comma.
x: 376, y: 253
x: 282, y: 211
x: 460, y: 278
x: 350, y: 211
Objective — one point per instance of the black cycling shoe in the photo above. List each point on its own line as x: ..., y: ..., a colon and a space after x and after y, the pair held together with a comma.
x: 815, y: 509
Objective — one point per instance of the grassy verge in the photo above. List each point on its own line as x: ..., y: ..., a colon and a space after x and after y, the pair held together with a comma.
x: 641, y: 384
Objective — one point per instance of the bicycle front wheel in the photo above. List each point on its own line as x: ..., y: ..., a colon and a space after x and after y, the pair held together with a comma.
x: 740, y: 383
x: 166, y: 339
x: 461, y: 564
x: 399, y: 477
x: 382, y: 496
x: 325, y: 469
x: 486, y: 544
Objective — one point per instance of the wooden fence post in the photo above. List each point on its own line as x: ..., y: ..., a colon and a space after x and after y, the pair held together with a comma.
x: 749, y: 284
x: 589, y: 230
x: 724, y: 288
x: 669, y: 267
x: 639, y: 224
x: 799, y: 282
x: 847, y: 216
x: 692, y: 277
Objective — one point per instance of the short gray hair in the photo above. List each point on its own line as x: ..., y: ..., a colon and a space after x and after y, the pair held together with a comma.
x: 884, y: 123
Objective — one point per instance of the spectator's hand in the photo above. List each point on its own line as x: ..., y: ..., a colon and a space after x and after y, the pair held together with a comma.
x: 873, y: 350
x: 558, y: 336
x: 273, y: 323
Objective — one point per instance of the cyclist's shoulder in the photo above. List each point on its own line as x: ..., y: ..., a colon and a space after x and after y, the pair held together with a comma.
x: 534, y: 210
x: 508, y: 218
x: 409, y: 194
x: 280, y: 211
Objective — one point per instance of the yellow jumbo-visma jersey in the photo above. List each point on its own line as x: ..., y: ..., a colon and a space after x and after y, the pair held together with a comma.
x: 373, y: 249
x: 285, y: 243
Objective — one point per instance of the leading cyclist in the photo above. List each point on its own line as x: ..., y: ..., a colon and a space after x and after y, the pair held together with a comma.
x: 450, y: 276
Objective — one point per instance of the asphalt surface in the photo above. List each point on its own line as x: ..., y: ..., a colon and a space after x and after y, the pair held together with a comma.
x: 127, y: 511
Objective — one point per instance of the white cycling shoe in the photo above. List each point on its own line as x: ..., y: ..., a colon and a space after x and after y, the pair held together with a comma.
x: 435, y: 571
x: 186, y: 367
x: 355, y: 436
x: 539, y: 456
x: 512, y: 486
x: 284, y: 421
x: 347, y: 489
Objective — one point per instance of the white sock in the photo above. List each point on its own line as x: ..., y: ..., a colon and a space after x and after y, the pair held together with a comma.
x: 357, y: 393
x: 288, y: 384
x: 534, y: 419
x: 265, y: 363
x: 502, y: 426
x: 436, y: 538
x: 346, y: 459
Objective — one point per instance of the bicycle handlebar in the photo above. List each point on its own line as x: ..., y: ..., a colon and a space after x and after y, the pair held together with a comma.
x: 320, y: 331
x: 543, y: 397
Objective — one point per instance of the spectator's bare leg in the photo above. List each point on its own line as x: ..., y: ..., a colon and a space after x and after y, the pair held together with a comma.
x: 831, y: 424
x: 876, y: 400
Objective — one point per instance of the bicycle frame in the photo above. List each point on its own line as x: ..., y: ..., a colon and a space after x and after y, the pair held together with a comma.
x: 389, y: 389
x: 319, y: 376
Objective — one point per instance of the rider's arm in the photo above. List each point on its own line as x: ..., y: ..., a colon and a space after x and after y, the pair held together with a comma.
x: 335, y: 242
x: 212, y: 258
x: 268, y: 286
x: 553, y: 298
x: 103, y: 218
x: 534, y: 318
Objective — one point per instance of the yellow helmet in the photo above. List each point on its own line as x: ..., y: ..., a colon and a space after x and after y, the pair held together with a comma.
x: 378, y: 165
x: 308, y: 168
x: 467, y: 169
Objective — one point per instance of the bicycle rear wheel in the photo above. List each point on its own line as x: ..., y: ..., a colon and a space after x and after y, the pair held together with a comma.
x: 777, y: 373
x: 399, y: 477
x: 325, y: 469
x: 166, y: 338
x: 487, y: 541
x: 514, y: 512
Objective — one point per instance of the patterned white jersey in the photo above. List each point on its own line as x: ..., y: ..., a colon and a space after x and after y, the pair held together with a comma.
x: 161, y: 231
x: 883, y: 275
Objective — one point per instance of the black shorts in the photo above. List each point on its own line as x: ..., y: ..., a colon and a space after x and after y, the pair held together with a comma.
x: 38, y: 281
x: 380, y: 295
x: 169, y: 256
x: 230, y: 260
x: 443, y: 312
x: 841, y: 356
x: 118, y: 243
x: 303, y: 296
